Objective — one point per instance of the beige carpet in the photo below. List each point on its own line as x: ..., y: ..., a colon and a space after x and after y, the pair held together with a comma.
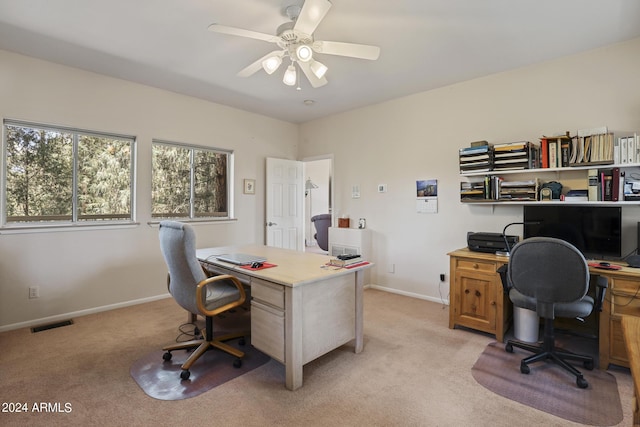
x: 550, y: 388
x: 414, y: 371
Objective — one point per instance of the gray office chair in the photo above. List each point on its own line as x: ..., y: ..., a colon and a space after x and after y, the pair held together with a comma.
x: 551, y: 277
x: 197, y: 293
x: 322, y: 223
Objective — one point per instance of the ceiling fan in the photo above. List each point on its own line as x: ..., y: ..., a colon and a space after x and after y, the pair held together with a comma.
x: 295, y: 41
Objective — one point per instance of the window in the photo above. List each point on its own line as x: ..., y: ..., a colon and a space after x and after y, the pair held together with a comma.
x: 59, y: 176
x: 190, y: 182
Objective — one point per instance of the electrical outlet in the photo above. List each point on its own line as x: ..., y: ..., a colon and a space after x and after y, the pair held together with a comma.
x: 442, y: 277
x: 392, y: 268
x: 34, y: 292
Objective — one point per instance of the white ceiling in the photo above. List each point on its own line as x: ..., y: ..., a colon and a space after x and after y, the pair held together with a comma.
x: 425, y: 44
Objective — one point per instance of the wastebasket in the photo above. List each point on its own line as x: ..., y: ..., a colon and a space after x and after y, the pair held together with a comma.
x: 526, y: 324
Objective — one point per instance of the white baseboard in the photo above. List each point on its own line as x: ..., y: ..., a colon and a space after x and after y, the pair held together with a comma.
x: 66, y: 316
x: 407, y: 294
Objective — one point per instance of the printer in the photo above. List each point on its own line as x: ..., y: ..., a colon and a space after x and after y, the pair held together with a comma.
x: 490, y: 242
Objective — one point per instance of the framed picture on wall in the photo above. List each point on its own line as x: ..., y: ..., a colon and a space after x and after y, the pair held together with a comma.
x: 249, y: 186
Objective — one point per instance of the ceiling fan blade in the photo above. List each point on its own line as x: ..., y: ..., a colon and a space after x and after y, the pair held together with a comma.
x: 216, y: 28
x: 353, y: 50
x: 313, y: 11
x: 256, y: 66
x: 315, y: 82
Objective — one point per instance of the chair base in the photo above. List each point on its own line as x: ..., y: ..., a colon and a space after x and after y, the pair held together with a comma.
x: 548, y: 351
x: 201, y: 346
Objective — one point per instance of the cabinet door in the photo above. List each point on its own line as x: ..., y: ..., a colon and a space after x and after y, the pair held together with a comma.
x: 475, y: 301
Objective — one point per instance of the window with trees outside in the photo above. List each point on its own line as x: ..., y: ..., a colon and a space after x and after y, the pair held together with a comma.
x: 190, y: 182
x: 56, y: 175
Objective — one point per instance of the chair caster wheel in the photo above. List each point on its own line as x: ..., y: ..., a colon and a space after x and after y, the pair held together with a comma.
x: 581, y: 382
x: 185, y: 374
x: 588, y: 365
x: 237, y: 363
x: 508, y: 348
x: 524, y: 368
x: 167, y: 356
x: 242, y: 341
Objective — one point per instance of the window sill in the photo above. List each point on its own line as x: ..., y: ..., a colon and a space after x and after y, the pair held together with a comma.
x: 206, y: 221
x: 54, y: 228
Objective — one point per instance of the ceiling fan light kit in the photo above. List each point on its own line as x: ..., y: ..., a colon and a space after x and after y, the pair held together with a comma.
x: 290, y: 76
x: 295, y: 39
x: 318, y: 68
x: 271, y: 64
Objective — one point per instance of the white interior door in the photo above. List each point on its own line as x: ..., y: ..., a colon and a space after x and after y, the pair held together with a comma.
x: 284, y: 199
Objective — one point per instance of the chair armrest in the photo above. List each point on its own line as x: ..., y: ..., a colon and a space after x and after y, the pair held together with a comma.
x: 209, y: 280
x: 502, y: 271
x: 601, y: 284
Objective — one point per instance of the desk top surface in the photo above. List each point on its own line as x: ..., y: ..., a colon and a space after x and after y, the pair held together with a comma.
x: 625, y: 270
x: 293, y: 268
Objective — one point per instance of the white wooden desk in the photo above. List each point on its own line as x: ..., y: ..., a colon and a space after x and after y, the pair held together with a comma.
x: 300, y: 309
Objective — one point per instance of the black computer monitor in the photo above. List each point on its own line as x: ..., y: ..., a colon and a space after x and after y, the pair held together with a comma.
x: 595, y: 230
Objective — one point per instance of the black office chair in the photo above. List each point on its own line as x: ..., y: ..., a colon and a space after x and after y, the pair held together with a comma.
x: 551, y: 276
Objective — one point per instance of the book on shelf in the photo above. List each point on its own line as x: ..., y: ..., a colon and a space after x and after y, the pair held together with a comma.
x: 511, y: 146
x: 576, y: 196
x: 592, y: 181
x: 627, y: 150
x: 475, y: 150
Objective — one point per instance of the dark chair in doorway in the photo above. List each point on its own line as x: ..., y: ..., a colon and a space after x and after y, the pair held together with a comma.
x: 322, y: 223
x: 551, y: 277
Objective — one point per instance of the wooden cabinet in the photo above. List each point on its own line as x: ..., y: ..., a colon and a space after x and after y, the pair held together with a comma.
x: 622, y: 299
x: 478, y: 301
x: 477, y: 297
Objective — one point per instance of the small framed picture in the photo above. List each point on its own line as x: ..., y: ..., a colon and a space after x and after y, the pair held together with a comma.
x: 249, y: 186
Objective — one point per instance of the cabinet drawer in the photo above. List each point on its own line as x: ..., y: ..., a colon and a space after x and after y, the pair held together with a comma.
x: 267, y: 330
x: 486, y: 267
x: 267, y: 292
x: 626, y: 286
x: 625, y: 304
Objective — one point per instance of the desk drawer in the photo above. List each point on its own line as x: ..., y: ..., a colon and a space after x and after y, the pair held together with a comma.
x: 626, y: 286
x: 215, y: 270
x: 267, y: 330
x: 625, y: 304
x: 487, y: 267
x: 267, y: 292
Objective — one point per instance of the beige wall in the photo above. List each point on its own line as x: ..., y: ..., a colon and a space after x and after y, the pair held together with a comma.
x: 395, y: 143
x: 89, y: 269
x: 418, y: 137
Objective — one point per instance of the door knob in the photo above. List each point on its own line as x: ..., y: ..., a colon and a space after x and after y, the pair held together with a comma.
x: 271, y: 223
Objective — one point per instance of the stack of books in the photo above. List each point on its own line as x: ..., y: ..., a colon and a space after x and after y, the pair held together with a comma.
x: 558, y: 151
x: 606, y: 185
x: 519, y: 190
x: 346, y: 260
x: 472, y: 191
x: 476, y: 159
x: 627, y: 150
x: 515, y: 155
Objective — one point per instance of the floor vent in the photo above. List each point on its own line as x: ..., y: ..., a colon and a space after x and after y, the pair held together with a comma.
x: 51, y: 326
